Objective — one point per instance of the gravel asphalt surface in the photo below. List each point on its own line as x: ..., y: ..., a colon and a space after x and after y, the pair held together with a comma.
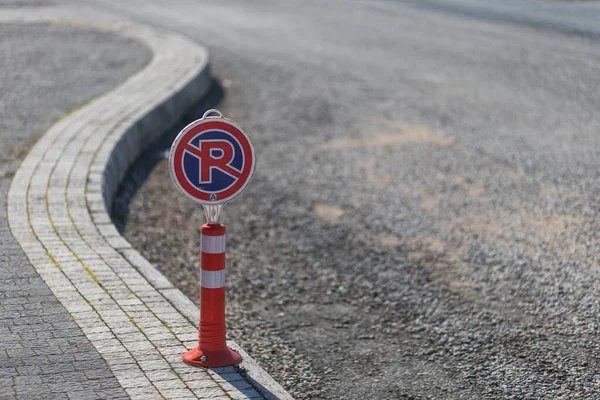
x: 423, y: 221
x: 46, y: 71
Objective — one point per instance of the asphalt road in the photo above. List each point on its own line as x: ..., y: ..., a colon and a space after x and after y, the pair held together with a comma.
x: 423, y: 221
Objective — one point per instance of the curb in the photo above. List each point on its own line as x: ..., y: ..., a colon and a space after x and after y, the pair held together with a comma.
x: 57, y: 211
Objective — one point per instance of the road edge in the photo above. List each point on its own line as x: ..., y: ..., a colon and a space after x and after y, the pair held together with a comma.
x: 137, y: 129
x: 124, y: 154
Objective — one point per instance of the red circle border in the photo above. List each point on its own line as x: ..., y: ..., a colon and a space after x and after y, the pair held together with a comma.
x: 194, y: 130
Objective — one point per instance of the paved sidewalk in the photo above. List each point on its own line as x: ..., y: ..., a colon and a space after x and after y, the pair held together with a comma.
x: 45, y: 74
x: 133, y: 317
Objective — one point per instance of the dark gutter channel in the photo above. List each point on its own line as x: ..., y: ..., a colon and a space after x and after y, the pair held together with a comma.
x: 142, y: 167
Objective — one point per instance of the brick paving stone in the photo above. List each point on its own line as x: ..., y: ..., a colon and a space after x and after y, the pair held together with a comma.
x: 45, y: 74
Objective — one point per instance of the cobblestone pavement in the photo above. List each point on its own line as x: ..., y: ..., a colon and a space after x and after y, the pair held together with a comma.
x: 47, y: 71
x: 131, y: 314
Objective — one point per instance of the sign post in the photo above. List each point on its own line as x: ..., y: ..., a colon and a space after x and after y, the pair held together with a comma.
x: 211, y: 161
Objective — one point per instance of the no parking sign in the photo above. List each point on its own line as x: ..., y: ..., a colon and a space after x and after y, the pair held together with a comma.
x: 212, y: 159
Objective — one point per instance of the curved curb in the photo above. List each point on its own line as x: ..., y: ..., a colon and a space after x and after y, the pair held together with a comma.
x: 57, y: 210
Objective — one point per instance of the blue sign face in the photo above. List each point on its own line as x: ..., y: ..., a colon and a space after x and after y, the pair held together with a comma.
x: 217, y: 164
x: 212, y: 160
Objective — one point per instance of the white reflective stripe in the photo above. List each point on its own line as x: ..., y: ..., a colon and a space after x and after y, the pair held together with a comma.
x: 213, y: 244
x: 212, y: 279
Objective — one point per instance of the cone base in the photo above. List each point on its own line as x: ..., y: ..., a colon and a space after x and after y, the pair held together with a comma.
x: 218, y: 358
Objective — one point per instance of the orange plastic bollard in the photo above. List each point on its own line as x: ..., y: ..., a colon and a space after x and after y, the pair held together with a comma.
x: 212, y: 350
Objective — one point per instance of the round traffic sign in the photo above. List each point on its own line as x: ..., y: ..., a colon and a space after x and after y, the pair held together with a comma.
x: 212, y: 159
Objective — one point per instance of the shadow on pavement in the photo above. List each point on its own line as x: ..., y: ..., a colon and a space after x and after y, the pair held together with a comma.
x: 157, y: 151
